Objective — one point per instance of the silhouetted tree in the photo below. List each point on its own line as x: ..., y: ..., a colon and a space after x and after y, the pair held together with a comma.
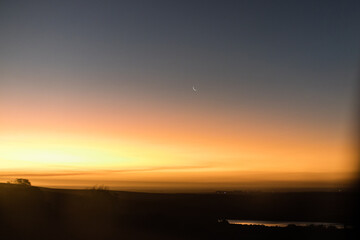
x: 22, y: 181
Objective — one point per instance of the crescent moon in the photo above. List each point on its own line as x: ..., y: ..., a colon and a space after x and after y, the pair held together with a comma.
x: 194, y: 89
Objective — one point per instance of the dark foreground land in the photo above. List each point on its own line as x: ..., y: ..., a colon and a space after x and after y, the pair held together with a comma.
x: 42, y: 213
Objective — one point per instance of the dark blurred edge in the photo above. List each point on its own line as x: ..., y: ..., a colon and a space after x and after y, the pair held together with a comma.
x: 356, y: 213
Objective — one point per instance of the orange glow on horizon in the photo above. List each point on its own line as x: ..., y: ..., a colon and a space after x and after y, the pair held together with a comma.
x: 178, y: 143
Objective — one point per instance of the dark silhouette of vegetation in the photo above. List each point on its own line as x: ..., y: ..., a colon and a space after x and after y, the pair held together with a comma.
x: 100, y: 188
x: 20, y: 181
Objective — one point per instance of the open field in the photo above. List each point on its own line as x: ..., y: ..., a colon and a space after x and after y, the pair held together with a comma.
x: 43, y: 213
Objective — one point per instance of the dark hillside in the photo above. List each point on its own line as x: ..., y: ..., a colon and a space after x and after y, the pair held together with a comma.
x: 42, y: 213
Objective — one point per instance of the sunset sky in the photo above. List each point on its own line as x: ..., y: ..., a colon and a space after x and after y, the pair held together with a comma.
x: 101, y: 92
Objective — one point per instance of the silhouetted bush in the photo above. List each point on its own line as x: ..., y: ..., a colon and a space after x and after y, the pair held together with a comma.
x: 100, y: 188
x: 21, y: 181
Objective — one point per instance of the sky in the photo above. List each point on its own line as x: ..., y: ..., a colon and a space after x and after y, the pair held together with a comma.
x: 101, y: 92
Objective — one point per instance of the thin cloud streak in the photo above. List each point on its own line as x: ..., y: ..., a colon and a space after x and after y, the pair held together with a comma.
x: 98, y: 172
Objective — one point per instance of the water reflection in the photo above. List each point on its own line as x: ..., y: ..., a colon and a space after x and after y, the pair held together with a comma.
x: 283, y: 223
